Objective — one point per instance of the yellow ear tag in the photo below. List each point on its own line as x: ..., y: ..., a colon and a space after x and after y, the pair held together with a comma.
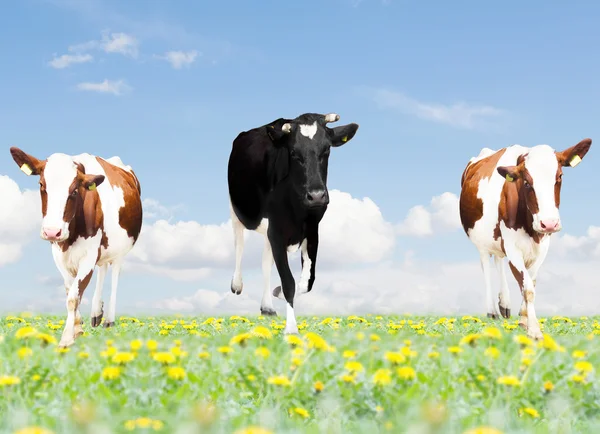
x: 26, y: 169
x: 92, y: 187
x: 345, y: 139
x: 575, y: 161
x: 509, y: 178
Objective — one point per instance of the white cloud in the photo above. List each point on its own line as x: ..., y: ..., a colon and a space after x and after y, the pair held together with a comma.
x: 121, y: 43
x: 441, y: 215
x: 20, y: 217
x: 67, y: 60
x: 179, y: 59
x: 459, y: 114
x: 353, y: 231
x: 118, y: 87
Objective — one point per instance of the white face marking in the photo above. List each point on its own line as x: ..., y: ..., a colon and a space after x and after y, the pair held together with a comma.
x: 309, y: 130
x: 542, y: 166
x: 59, y: 174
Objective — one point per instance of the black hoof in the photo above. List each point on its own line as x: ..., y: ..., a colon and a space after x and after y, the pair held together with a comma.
x: 236, y: 291
x: 109, y: 324
x: 277, y: 291
x: 492, y: 316
x: 267, y: 311
x: 504, y: 311
x: 96, y: 320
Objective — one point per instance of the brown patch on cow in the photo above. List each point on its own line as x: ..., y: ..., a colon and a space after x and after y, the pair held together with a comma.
x: 517, y: 274
x: 130, y: 216
x: 517, y: 203
x: 83, y: 283
x: 529, y: 296
x: 471, y: 207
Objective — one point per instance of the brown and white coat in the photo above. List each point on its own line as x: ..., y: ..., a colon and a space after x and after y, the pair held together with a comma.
x: 509, y: 207
x: 92, y: 215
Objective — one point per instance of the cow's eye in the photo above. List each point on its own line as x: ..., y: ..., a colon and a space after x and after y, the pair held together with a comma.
x: 527, y: 185
x: 74, y: 193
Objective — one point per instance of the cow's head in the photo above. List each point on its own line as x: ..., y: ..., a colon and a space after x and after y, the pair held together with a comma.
x: 63, y: 185
x: 539, y: 174
x: 308, y: 141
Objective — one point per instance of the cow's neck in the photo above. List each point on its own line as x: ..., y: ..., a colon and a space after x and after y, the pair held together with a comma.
x: 77, y: 227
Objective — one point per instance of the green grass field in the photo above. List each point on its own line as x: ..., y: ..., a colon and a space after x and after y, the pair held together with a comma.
x: 351, y: 374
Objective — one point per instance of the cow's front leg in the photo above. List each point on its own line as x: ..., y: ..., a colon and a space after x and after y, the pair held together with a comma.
x: 73, y: 326
x: 527, y: 314
x: 288, y: 285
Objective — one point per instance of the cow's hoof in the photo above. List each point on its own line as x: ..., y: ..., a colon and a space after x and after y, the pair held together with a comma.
x: 97, y: 320
x: 78, y: 332
x: 237, y: 289
x: 65, y: 343
x: 109, y: 324
x: 267, y: 311
x: 504, y: 311
x: 536, y: 335
x: 493, y: 315
x: 277, y: 292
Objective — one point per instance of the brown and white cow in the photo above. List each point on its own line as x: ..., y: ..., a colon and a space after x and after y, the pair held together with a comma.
x: 509, y: 205
x: 92, y: 215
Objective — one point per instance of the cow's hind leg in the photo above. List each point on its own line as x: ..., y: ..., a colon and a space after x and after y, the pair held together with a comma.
x: 266, y: 305
x: 112, y: 307
x: 492, y: 312
x: 504, y: 295
x: 238, y: 239
x: 97, y: 304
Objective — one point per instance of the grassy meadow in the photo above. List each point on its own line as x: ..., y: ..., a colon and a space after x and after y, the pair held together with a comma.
x: 371, y: 374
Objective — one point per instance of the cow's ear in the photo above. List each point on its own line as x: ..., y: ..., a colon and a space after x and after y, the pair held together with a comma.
x: 27, y: 163
x: 572, y: 156
x: 90, y: 182
x: 510, y: 173
x: 343, y: 134
x: 279, y: 130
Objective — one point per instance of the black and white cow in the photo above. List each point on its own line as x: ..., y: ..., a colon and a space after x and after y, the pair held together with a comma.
x: 277, y: 176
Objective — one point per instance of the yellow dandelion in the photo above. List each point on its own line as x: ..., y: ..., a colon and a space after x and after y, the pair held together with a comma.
x: 584, y: 366
x: 262, y: 332
x: 111, y: 372
x: 395, y: 357
x: 123, y: 358
x: 578, y: 378
x: 225, y: 350
x: 83, y: 355
x: 382, y: 377
x: 354, y: 366
x: 318, y: 386
x: 455, y: 350
x: 374, y: 338
x: 24, y: 352
x: 240, y: 339
x: 349, y: 354
x: 294, y: 341
x: 164, y: 357
x: 262, y: 352
x: 483, y: 430
x: 135, y: 345
x: 509, y: 380
x: 204, y: 355
x: 25, y: 332
x: 550, y: 344
x: 300, y: 412
x: 480, y: 378
x: 348, y: 378
x: 492, y: 332
x: 33, y: 430
x: 45, y: 338
x: 251, y: 377
x: 529, y: 411
x: 492, y: 352
x: 406, y: 373
x: 433, y: 355
x: 316, y: 341
x: 548, y: 386
x: 9, y: 380
x: 152, y: 345
x: 280, y: 380
x: 176, y: 373
x: 470, y: 339
x: 253, y: 430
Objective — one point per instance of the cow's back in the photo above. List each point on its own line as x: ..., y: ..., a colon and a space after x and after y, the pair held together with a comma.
x: 120, y: 201
x: 248, y: 175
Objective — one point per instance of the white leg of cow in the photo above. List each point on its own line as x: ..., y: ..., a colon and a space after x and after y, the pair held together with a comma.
x: 291, y: 328
x: 85, y: 269
x: 112, y: 307
x: 504, y: 295
x: 97, y: 304
x: 305, y: 274
x: 238, y: 239
x: 527, y: 313
x: 266, y: 305
x: 492, y: 312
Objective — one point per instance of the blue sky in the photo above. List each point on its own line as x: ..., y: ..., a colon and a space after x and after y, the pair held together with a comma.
x: 429, y: 83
